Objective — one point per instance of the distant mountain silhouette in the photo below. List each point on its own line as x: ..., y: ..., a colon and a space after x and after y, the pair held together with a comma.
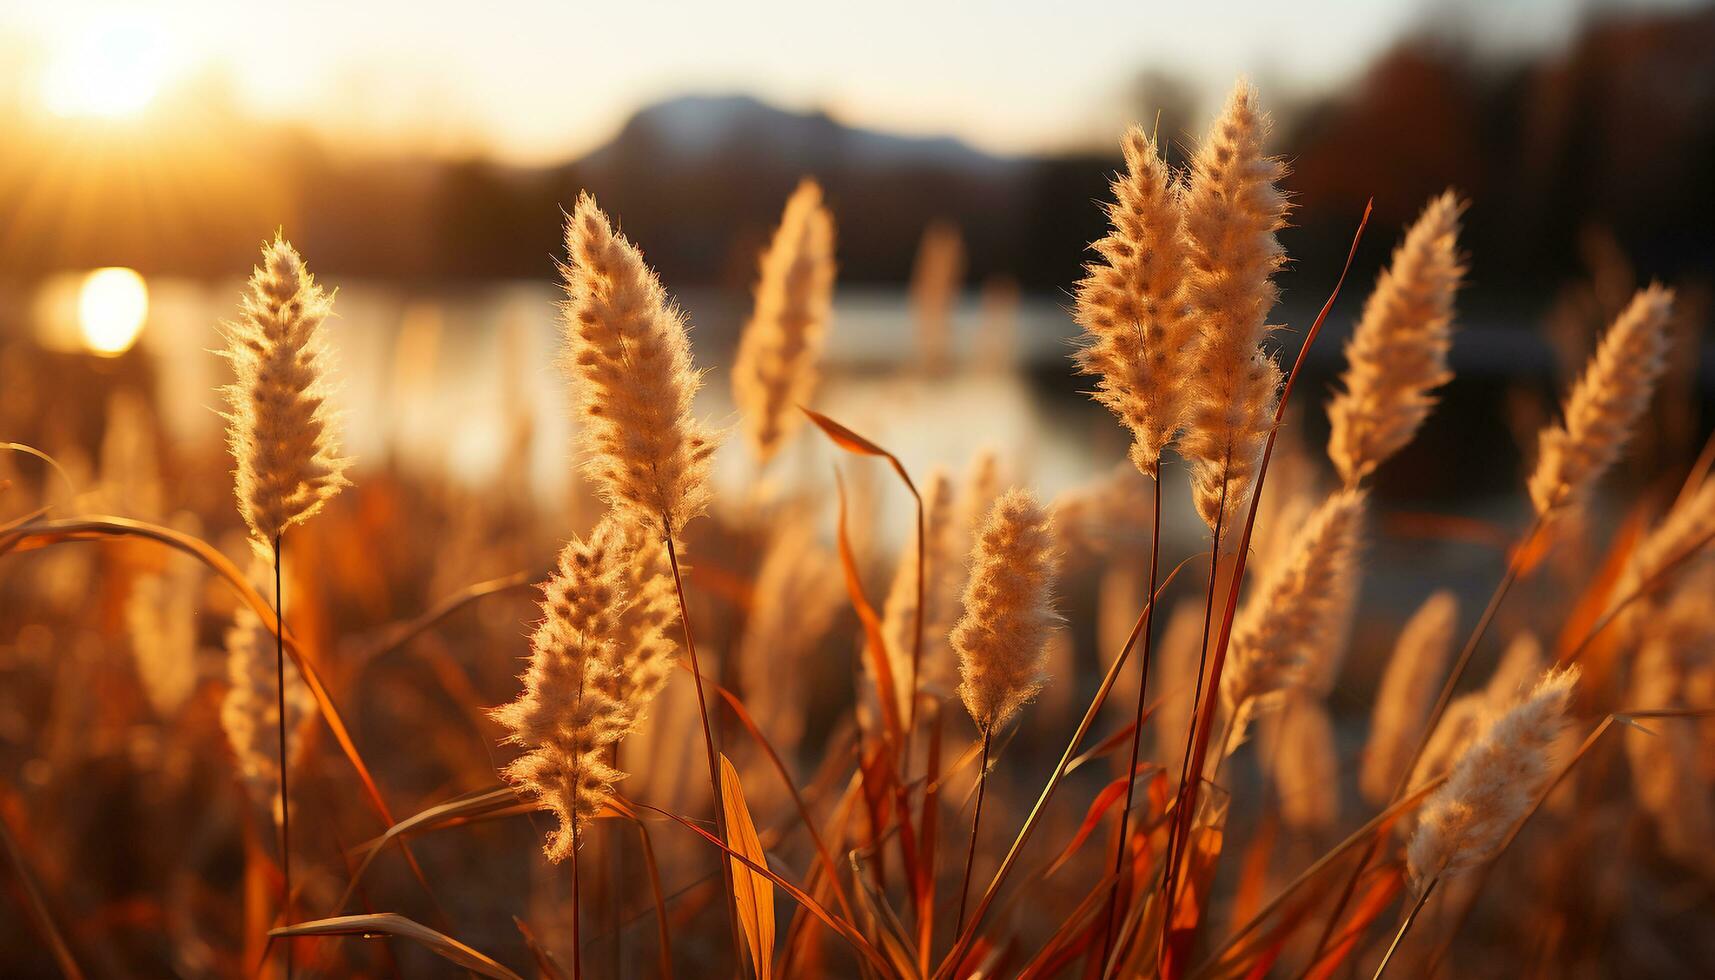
x: 1616, y: 131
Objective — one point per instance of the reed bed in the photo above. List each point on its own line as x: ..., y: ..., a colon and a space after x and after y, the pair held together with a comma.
x: 700, y: 726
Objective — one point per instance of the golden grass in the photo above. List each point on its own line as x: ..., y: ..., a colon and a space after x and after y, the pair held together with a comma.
x: 832, y: 833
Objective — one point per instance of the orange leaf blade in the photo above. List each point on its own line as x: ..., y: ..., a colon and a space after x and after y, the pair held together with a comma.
x: 753, y: 891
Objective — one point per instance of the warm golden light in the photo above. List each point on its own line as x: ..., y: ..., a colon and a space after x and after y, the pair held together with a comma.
x: 112, y: 67
x: 111, y: 307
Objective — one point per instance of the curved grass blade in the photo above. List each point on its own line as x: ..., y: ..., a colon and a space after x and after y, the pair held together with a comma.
x: 394, y: 924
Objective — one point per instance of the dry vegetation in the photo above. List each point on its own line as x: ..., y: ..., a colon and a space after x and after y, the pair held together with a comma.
x: 734, y: 747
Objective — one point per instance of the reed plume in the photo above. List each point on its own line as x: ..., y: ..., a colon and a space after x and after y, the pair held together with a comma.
x: 161, y: 619
x: 644, y: 654
x: 1132, y: 305
x: 1009, y: 611
x: 1306, y: 764
x: 1605, y: 404
x: 1407, y: 690
x: 1493, y: 785
x: 1398, y: 353
x: 279, y: 427
x: 251, y: 711
x: 797, y: 595
x: 569, y: 712
x: 1110, y: 512
x: 775, y: 368
x: 1666, y: 760
x: 936, y: 276
x: 629, y: 353
x: 1232, y: 211
x: 1293, y: 613
x: 1680, y: 543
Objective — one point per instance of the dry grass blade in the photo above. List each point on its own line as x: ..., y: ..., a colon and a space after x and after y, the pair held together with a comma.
x: 743, y: 715
x: 1378, y: 826
x: 875, y: 641
x: 35, y: 903
x: 545, y: 961
x: 895, y: 939
x: 853, y: 443
x: 1204, y: 727
x: 845, y: 929
x: 394, y: 924
x: 393, y: 637
x: 964, y: 944
x: 755, y: 896
x: 469, y: 805
x: 104, y: 526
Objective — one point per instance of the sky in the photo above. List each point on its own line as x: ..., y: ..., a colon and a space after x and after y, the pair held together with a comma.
x: 537, y: 82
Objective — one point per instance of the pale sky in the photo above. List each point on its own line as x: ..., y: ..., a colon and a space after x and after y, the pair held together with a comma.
x: 541, y: 81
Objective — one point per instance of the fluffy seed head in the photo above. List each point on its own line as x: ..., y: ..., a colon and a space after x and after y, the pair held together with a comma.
x: 631, y: 360
x: 1294, y: 612
x: 279, y: 428
x: 945, y: 567
x: 1406, y: 694
x: 1132, y: 305
x: 1001, y: 640
x: 1233, y: 209
x: 1398, y: 354
x: 585, y: 686
x: 1307, y: 766
x: 1605, y: 404
x: 1493, y: 785
x: 1681, y: 543
x: 775, y: 369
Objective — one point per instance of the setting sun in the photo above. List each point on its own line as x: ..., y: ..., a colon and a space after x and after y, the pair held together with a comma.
x: 111, y: 307
x: 111, y: 68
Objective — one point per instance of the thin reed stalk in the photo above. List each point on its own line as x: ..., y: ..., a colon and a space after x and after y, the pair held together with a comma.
x: 285, y: 799
x: 1404, y: 927
x: 976, y: 823
x: 1515, y: 564
x: 1137, y: 722
x: 708, y: 733
x: 577, y: 912
x: 964, y: 941
x: 1202, y: 727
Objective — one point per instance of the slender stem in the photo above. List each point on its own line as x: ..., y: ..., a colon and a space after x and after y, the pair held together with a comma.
x: 1404, y: 926
x: 1170, y: 871
x: 1137, y: 724
x: 1515, y: 562
x: 916, y: 645
x: 708, y: 735
x: 577, y: 909
x: 963, y: 942
x: 614, y: 897
x: 280, y: 717
x: 976, y: 821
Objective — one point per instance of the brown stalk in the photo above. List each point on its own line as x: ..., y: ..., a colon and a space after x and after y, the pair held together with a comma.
x: 845, y: 929
x: 1379, y: 824
x: 285, y: 761
x: 1121, y: 852
x: 964, y: 941
x: 47, y: 533
x: 976, y: 821
x: 708, y: 734
x: 35, y: 904
x: 1203, y: 725
x: 1515, y: 563
x: 1405, y: 927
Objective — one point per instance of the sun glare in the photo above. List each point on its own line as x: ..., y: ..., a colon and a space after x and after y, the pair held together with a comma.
x: 112, y: 304
x: 113, y: 66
